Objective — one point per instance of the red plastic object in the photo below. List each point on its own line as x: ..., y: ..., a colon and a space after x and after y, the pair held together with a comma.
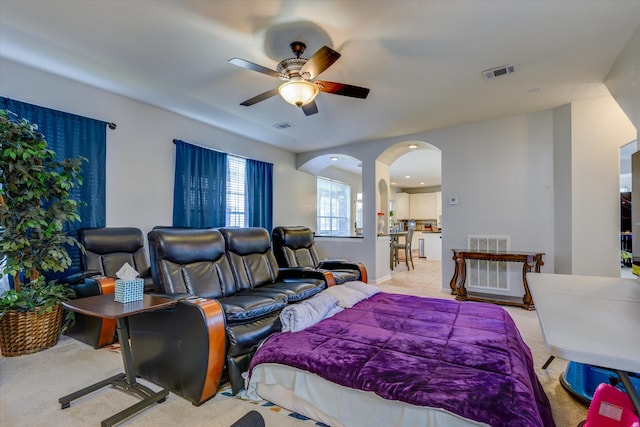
x: 611, y: 407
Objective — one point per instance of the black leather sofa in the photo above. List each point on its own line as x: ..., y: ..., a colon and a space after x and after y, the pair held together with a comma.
x: 230, y: 292
x: 294, y: 248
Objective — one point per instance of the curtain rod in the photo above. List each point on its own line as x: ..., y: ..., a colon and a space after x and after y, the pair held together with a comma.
x: 212, y: 149
x: 112, y: 125
x: 196, y: 145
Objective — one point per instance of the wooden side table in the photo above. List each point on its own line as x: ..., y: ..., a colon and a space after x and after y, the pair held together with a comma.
x: 530, y: 260
x: 106, y: 307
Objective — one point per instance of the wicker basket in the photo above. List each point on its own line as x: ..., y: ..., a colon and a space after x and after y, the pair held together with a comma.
x: 25, y: 332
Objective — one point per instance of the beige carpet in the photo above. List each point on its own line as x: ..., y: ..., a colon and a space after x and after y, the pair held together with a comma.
x: 30, y: 385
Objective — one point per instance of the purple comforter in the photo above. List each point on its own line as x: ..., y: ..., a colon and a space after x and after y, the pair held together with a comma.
x: 467, y: 358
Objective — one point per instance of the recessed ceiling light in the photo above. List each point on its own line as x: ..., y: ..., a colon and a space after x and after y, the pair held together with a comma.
x: 412, y: 145
x: 334, y: 159
x: 393, y: 183
x: 422, y: 183
x: 407, y: 176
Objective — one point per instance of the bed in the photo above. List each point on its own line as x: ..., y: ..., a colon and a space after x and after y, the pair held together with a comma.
x: 401, y: 360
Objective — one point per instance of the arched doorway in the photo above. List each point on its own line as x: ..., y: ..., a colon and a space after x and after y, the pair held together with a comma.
x: 415, y: 195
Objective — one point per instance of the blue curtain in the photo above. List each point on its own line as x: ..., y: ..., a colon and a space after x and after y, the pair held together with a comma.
x: 70, y: 135
x: 199, y: 191
x: 259, y: 182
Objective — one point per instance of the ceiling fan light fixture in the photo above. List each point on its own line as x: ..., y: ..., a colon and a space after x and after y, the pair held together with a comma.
x: 298, y: 92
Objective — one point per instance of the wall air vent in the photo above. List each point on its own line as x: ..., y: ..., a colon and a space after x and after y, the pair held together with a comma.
x: 499, y: 71
x: 283, y: 125
x: 488, y: 275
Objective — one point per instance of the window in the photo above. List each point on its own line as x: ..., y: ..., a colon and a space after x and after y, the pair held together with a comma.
x: 359, y: 211
x: 236, y: 185
x: 334, y: 214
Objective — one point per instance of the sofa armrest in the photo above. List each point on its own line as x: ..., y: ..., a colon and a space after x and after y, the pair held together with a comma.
x: 77, y: 278
x: 344, y: 265
x: 182, y: 296
x: 306, y: 273
x: 181, y: 348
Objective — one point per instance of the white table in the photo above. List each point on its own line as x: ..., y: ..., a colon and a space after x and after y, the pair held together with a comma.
x: 591, y: 320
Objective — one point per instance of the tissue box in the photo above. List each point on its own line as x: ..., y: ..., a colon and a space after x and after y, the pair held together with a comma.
x: 129, y: 290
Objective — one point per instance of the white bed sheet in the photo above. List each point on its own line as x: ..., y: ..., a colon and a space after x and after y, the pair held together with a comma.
x: 339, y: 406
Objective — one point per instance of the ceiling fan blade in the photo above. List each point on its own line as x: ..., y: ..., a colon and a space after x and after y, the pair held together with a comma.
x: 310, y: 108
x: 265, y: 95
x: 255, y: 67
x: 320, y: 61
x: 342, y: 89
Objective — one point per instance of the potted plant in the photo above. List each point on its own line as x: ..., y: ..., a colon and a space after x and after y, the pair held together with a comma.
x: 35, y: 203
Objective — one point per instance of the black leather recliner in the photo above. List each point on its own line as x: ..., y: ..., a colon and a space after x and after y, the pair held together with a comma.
x: 107, y: 249
x: 294, y: 247
x: 195, y: 263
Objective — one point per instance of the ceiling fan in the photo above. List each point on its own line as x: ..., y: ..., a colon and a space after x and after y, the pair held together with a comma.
x: 300, y: 88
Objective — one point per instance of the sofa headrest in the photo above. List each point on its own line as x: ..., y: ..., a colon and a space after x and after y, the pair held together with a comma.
x: 244, y: 241
x: 184, y: 246
x: 293, y: 237
x: 111, y: 239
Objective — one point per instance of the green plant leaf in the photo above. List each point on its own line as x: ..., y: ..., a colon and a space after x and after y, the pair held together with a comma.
x: 35, y: 189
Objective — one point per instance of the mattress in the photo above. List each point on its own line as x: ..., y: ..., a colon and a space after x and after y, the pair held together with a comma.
x: 440, y: 359
x: 339, y: 406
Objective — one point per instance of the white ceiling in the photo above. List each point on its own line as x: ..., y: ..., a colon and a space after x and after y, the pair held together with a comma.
x: 421, y: 59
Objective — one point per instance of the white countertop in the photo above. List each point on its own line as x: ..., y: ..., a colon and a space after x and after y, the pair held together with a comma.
x: 588, y: 319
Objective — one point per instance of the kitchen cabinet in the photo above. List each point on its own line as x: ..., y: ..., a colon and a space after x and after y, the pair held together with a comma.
x: 402, y: 206
x: 433, y: 246
x: 423, y: 206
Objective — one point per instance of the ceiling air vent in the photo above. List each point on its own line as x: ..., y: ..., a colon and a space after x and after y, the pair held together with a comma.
x: 283, y: 125
x: 499, y: 71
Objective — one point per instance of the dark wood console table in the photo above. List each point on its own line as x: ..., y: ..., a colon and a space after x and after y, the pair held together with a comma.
x: 106, y: 307
x: 530, y: 260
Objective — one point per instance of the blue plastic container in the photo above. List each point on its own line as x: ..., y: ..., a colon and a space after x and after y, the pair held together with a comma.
x: 581, y: 380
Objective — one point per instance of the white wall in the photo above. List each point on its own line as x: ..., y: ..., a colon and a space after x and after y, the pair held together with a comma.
x: 623, y: 79
x: 140, y: 152
x: 562, y: 210
x: 506, y: 187
x: 598, y: 129
x: 383, y: 243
